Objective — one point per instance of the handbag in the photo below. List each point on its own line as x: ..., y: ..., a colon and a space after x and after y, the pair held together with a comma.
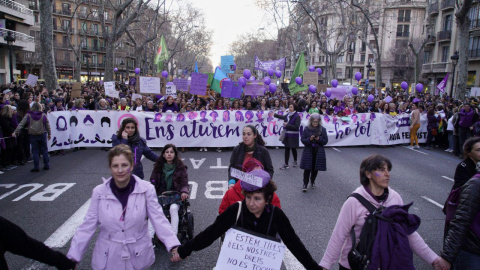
x: 434, y: 132
x: 282, y: 135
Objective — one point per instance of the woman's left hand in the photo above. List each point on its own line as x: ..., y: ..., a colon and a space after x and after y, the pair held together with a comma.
x: 175, y: 256
x: 184, y: 196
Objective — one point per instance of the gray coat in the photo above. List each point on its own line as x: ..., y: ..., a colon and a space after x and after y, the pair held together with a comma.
x: 310, y: 146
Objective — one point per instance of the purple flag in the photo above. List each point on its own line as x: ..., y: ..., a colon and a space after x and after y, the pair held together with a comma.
x: 132, y: 81
x: 266, y: 65
x: 441, y: 86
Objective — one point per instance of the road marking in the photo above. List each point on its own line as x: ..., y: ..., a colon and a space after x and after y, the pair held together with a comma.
x: 197, y: 163
x: 448, y: 178
x: 416, y: 150
x: 433, y: 202
x: 291, y: 263
x: 336, y: 149
x: 219, y: 165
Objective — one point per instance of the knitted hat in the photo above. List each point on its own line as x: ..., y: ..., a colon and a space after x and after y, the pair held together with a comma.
x: 265, y: 177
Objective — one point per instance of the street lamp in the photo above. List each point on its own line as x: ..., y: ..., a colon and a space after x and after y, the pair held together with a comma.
x: 122, y: 64
x: 454, y: 59
x: 10, y: 39
x: 367, y: 81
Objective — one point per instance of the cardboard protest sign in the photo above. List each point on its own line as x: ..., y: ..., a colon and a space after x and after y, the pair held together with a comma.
x: 31, y: 80
x: 310, y: 78
x: 231, y: 89
x: 254, y: 88
x: 76, y: 90
x: 135, y: 96
x: 340, y: 91
x: 181, y: 84
x: 171, y: 90
x: 241, y: 250
x: 226, y: 63
x: 150, y: 85
x: 246, y: 177
x: 198, y: 84
x: 110, y: 89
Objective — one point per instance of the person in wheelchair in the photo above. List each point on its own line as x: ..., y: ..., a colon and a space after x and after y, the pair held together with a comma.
x: 170, y: 178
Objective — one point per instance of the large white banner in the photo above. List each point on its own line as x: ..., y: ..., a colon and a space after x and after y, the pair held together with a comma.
x: 221, y: 128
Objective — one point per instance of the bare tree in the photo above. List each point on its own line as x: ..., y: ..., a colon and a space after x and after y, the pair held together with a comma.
x: 46, y: 39
x: 417, y: 53
x: 463, y: 24
x: 246, y: 46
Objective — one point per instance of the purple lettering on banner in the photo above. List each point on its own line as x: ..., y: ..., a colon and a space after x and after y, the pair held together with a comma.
x: 181, y: 84
x: 266, y: 65
x: 255, y: 88
x: 132, y: 81
x: 231, y: 89
x: 198, y: 85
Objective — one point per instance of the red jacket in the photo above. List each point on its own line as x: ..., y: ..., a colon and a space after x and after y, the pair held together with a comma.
x: 234, y: 195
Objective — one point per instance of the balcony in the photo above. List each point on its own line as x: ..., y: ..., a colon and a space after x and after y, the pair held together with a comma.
x: 427, y: 68
x: 445, y: 35
x: 474, y: 54
x: 433, y: 9
x: 439, y: 67
x: 448, y: 4
x: 90, y: 32
x: 474, y: 24
x: 431, y: 41
x: 60, y: 45
x: 64, y: 12
x: 24, y: 41
x: 403, y: 34
x: 12, y: 8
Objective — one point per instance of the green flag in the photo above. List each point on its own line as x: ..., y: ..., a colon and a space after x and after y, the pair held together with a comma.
x: 300, y: 68
x: 162, y: 54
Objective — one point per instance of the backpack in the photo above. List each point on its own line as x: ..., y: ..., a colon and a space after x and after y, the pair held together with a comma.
x: 360, y: 255
x: 36, y: 127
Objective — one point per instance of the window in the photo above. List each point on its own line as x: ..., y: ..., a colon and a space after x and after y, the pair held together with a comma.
x: 474, y: 47
x: 471, y: 78
x: 54, y: 23
x: 403, y: 30
x: 401, y: 43
x: 95, y: 29
x: 32, y: 4
x: 351, y: 48
x: 447, y: 23
x: 400, y: 58
x: 426, y: 57
x: 445, y: 54
x: 364, y: 46
x: 105, y: 14
x: 84, y: 26
x: 404, y: 15
x: 350, y: 57
x: 66, y: 9
x: 67, y: 25
x: 94, y: 59
x: 340, y: 59
x: 65, y: 41
x: 339, y: 72
x: 95, y: 43
x: 370, y: 58
x: 474, y: 15
x: 362, y: 70
x: 94, y: 13
x: 84, y: 43
x: 375, y: 30
x: 362, y: 58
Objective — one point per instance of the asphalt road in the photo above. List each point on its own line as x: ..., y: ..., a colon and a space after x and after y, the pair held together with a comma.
x: 49, y: 205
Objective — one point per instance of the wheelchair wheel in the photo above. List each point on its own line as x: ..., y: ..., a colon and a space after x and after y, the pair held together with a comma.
x: 190, y: 225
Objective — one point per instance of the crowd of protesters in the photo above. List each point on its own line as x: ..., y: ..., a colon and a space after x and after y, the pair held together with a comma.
x: 450, y: 122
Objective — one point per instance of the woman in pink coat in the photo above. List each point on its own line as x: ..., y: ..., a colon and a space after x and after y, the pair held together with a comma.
x: 121, y: 208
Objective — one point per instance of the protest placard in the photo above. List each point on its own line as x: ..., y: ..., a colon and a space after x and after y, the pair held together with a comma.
x: 340, y: 91
x: 254, y: 88
x: 110, y: 89
x: 226, y: 63
x: 246, y: 177
x: 198, y: 85
x: 241, y: 250
x: 135, y: 96
x: 181, y: 84
x: 76, y: 90
x: 310, y: 78
x: 31, y: 80
x: 171, y: 90
x: 231, y: 89
x: 132, y: 81
x: 150, y: 85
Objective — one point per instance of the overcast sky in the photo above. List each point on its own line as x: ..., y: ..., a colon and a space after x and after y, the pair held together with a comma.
x: 228, y: 19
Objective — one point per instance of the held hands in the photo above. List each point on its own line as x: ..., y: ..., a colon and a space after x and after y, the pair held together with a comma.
x: 175, y: 256
x: 124, y: 135
x: 312, y: 137
x: 441, y: 264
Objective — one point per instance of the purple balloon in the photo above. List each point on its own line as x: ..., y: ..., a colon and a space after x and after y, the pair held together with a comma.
x: 234, y: 67
x: 272, y: 87
x: 115, y: 69
x: 334, y: 83
x: 319, y: 71
x: 137, y: 70
x: 267, y: 80
x: 328, y: 93
x: 419, y: 87
x: 404, y: 85
x: 270, y: 72
x: 416, y: 100
x: 247, y: 74
x: 370, y: 98
x: 242, y: 81
x: 165, y: 74
x: 388, y: 99
x: 169, y: 83
x: 311, y: 68
x: 278, y: 73
x: 252, y: 78
x: 358, y: 76
x: 312, y: 88
x: 354, y: 90
x: 299, y: 80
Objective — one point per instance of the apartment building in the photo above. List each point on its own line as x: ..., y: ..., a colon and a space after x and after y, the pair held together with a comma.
x: 16, y: 21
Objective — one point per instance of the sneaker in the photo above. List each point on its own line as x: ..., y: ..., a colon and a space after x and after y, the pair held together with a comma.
x: 276, y: 147
x: 284, y: 167
x: 451, y: 151
x: 219, y: 150
x: 8, y: 168
x: 201, y: 149
x: 294, y: 164
x: 409, y: 147
x: 448, y: 150
x: 313, y: 185
x: 1, y: 172
x: 205, y: 149
x: 416, y: 146
x: 12, y: 167
x: 304, y: 188
x: 34, y: 170
x: 29, y: 159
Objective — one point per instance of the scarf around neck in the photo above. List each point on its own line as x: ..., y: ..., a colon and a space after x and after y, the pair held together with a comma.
x: 168, y: 170
x: 134, y: 139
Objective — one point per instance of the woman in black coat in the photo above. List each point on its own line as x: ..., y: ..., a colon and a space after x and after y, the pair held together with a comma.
x: 314, y: 137
x: 292, y: 134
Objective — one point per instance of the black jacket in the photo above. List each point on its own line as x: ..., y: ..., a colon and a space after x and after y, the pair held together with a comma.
x: 280, y: 224
x: 260, y: 153
x: 460, y: 236
x: 464, y: 171
x: 13, y: 239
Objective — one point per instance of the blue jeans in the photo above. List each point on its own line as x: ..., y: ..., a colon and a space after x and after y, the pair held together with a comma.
x: 466, y: 261
x: 450, y: 139
x: 39, y: 145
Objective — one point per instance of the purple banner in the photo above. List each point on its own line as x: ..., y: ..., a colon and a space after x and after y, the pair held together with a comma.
x: 231, y: 89
x: 181, y: 84
x: 441, y: 86
x: 255, y: 88
x: 198, y: 85
x: 132, y: 81
x: 266, y: 65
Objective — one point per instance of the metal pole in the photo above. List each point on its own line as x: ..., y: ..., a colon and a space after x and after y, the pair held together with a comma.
x: 453, y: 80
x: 351, y: 72
x: 11, y: 62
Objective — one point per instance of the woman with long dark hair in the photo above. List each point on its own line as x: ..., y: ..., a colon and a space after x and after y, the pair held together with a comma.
x: 128, y: 134
x: 292, y: 134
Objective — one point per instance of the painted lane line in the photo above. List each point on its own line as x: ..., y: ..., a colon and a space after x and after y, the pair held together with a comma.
x: 433, y: 202
x: 336, y: 149
x: 448, y: 178
x: 416, y: 150
x: 291, y: 263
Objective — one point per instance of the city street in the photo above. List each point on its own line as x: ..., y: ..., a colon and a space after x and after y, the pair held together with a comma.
x: 50, y: 205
